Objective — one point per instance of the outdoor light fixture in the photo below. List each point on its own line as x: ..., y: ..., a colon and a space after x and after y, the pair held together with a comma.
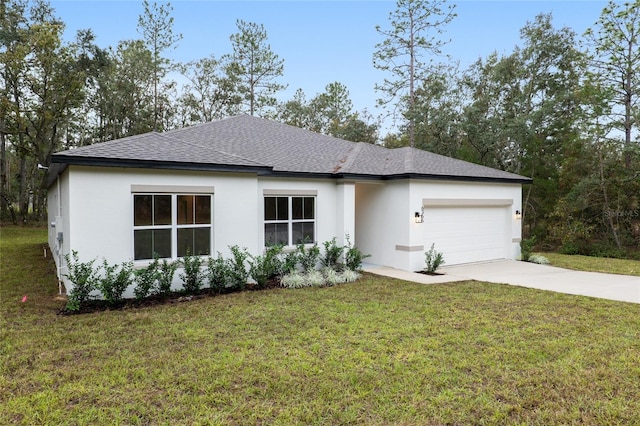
x: 419, y: 216
x: 518, y: 215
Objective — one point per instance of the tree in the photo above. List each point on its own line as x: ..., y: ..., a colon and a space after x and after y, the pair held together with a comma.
x: 156, y: 27
x: 615, y: 41
x: 255, y: 67
x: 210, y: 93
x: 526, y: 114
x: 415, y: 31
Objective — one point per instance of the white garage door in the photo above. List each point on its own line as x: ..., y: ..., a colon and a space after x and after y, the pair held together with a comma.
x: 467, y: 234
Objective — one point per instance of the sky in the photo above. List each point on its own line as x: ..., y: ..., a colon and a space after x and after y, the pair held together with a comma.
x: 323, y: 41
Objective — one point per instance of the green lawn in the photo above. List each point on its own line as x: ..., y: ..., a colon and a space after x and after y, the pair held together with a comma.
x: 379, y: 351
x: 594, y: 264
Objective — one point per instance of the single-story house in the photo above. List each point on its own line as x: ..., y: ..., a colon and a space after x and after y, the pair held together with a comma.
x: 252, y: 182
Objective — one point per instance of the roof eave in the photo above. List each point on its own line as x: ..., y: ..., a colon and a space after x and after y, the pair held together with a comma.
x: 150, y: 164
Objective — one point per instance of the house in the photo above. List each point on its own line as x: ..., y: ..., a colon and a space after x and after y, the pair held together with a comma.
x: 252, y: 182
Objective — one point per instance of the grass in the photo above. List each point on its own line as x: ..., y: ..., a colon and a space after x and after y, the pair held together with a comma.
x: 594, y: 264
x: 376, y: 352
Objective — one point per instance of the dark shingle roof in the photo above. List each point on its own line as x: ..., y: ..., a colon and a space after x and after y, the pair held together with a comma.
x: 268, y: 147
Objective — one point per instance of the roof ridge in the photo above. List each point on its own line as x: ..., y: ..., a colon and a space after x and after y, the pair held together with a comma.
x: 345, y: 162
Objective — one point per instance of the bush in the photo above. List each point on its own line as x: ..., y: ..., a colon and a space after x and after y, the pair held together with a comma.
x: 314, y: 279
x: 146, y: 279
x: 267, y: 267
x: 293, y: 280
x: 526, y: 247
x: 539, y: 259
x: 165, y: 277
x: 290, y: 263
x: 218, y: 273
x: 192, y: 276
x: 332, y: 254
x: 353, y: 257
x: 433, y: 260
x: 115, y: 280
x: 238, y: 274
x: 84, y: 278
x: 350, y: 276
x: 308, y: 258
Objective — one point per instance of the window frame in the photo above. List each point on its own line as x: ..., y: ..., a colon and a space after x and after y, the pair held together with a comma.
x: 290, y: 221
x: 174, y: 192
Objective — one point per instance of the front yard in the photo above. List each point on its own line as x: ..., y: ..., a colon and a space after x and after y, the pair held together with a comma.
x: 379, y: 351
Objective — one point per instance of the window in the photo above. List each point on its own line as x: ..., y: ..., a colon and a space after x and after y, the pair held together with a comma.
x: 289, y: 220
x: 171, y: 225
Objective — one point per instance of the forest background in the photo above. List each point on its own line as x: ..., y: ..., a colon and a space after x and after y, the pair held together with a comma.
x: 561, y: 107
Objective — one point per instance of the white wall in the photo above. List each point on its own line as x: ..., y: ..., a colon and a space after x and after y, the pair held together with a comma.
x: 327, y: 204
x: 385, y: 221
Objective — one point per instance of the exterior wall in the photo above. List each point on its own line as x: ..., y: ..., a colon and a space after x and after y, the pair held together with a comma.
x: 425, y: 190
x: 58, y: 220
x: 97, y: 209
x: 385, y: 221
x: 99, y: 218
x: 327, y: 204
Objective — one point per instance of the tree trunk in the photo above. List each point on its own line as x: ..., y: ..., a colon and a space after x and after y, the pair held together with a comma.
x: 607, y: 209
x: 3, y: 171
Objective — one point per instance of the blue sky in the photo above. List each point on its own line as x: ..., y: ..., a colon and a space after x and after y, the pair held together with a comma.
x: 323, y: 41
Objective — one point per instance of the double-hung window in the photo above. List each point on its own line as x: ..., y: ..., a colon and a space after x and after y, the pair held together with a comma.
x: 171, y: 225
x: 289, y: 220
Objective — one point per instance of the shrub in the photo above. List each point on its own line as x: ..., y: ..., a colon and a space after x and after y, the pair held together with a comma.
x: 238, y: 273
x: 332, y: 277
x: 308, y: 258
x: 331, y: 254
x: 84, y: 279
x: 350, y: 276
x: 293, y: 280
x: 433, y: 260
x: 314, y: 279
x: 264, y: 268
x: 218, y: 273
x: 192, y: 275
x: 290, y: 263
x: 539, y: 259
x: 165, y: 277
x: 526, y: 247
x: 146, y: 279
x: 114, y: 281
x: 353, y: 256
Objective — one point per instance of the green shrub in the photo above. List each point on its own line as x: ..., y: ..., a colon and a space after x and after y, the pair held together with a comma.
x: 114, y: 281
x: 264, y: 268
x: 192, y: 275
x: 165, y: 278
x: 218, y: 273
x: 290, y: 263
x: 526, y: 248
x: 332, y: 254
x: 84, y: 278
x: 238, y: 274
x: 146, y: 279
x: 353, y: 256
x: 433, y: 260
x: 308, y: 258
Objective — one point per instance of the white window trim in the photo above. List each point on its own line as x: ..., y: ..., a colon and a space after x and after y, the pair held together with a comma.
x: 173, y: 226
x: 290, y: 194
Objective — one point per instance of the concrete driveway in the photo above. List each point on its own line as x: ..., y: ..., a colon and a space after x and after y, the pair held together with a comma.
x: 606, y: 286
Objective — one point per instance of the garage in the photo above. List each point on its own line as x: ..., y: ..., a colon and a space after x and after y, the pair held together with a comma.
x: 467, y: 231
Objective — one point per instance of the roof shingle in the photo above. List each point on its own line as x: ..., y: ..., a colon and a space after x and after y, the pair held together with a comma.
x: 249, y: 142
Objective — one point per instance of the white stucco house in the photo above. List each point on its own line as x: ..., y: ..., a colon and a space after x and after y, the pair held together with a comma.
x: 250, y: 182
